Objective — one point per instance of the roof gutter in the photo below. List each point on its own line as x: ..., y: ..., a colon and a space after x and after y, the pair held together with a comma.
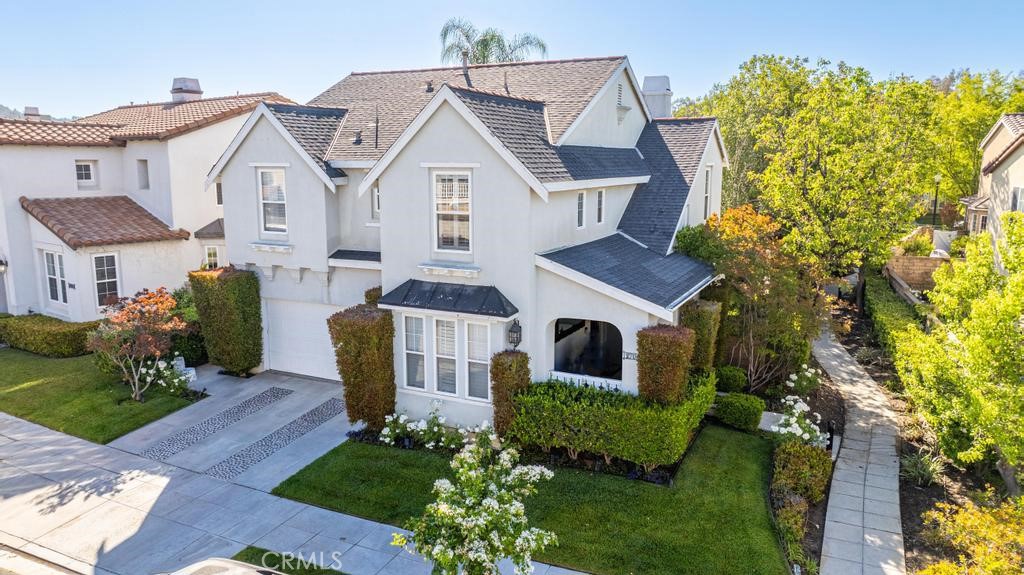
x: 693, y: 292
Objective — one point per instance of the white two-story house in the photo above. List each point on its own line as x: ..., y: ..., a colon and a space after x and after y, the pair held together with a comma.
x: 113, y: 203
x: 1001, y: 183
x: 531, y: 204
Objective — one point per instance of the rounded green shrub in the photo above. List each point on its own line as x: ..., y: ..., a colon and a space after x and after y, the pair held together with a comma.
x: 703, y: 317
x: 801, y: 469
x: 731, y: 378
x: 740, y: 410
x: 372, y: 295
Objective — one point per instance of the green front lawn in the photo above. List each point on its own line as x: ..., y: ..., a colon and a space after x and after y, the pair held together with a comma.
x: 715, y: 519
x: 269, y: 559
x: 73, y: 396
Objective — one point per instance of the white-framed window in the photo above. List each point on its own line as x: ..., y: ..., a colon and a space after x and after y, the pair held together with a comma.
x: 446, y: 379
x: 375, y: 203
x: 273, y: 212
x: 211, y: 257
x: 106, y: 278
x: 1015, y: 198
x: 600, y: 206
x: 984, y: 223
x: 56, y: 282
x: 85, y: 172
x: 478, y: 360
x: 142, y: 173
x: 707, y: 191
x: 415, y: 364
x: 581, y: 210
x: 452, y: 212
x: 220, y: 194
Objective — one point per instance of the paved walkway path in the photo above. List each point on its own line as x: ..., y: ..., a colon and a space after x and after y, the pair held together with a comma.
x: 863, y: 533
x: 99, y: 510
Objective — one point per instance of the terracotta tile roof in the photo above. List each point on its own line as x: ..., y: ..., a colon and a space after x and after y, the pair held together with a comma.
x: 49, y: 133
x: 99, y: 221
x: 166, y: 119
x: 396, y: 97
x: 1015, y: 125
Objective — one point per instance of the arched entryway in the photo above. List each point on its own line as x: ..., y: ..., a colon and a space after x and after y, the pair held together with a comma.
x: 588, y: 347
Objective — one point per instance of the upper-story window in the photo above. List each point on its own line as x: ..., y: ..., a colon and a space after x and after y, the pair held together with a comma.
x: 600, y: 206
x: 85, y: 173
x: 272, y: 201
x: 452, y: 211
x: 1015, y: 200
x: 707, y: 191
x: 581, y: 210
x: 375, y: 202
x: 142, y: 169
x: 220, y: 194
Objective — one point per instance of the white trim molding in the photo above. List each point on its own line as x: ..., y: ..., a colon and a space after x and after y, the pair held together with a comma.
x: 450, y: 165
x: 596, y: 183
x: 447, y: 314
x: 353, y: 264
x: 352, y: 164
x: 272, y: 247
x: 450, y: 269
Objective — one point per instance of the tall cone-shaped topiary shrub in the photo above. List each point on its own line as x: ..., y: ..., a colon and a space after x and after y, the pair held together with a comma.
x: 663, y: 362
x: 228, y: 303
x: 362, y: 337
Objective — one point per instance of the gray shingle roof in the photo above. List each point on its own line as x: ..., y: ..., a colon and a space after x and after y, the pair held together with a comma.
x: 459, y: 298
x: 313, y: 128
x: 521, y: 127
x: 360, y: 255
x: 211, y: 231
x: 622, y: 263
x: 396, y: 97
x: 672, y: 149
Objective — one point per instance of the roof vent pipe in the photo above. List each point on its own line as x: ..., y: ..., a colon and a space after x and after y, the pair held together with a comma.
x: 430, y: 85
x: 465, y: 68
x: 185, y: 90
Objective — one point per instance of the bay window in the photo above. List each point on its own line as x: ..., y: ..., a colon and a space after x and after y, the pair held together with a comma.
x: 452, y: 212
x: 444, y: 352
x: 478, y: 355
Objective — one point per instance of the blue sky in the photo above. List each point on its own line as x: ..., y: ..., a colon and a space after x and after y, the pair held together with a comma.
x: 75, y: 58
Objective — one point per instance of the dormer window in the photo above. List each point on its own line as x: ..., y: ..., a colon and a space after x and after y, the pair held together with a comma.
x: 452, y: 212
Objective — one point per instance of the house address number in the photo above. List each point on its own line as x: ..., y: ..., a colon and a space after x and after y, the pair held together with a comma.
x: 629, y: 355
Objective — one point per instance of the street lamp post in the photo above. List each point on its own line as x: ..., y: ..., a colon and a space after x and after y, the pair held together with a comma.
x: 935, y: 202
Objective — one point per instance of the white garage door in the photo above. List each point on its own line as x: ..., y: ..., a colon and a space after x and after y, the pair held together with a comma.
x: 297, y: 338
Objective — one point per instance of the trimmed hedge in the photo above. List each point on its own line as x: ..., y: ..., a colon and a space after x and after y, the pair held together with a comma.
x: 363, y: 340
x: 731, y: 378
x: 372, y: 295
x: 45, y: 335
x: 3, y: 316
x: 510, y: 374
x: 889, y: 313
x: 228, y: 302
x: 740, y: 410
x: 801, y: 469
x: 703, y: 317
x: 663, y: 362
x: 611, y: 424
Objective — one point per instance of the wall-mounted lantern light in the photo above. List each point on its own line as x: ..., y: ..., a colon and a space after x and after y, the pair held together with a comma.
x: 515, y: 334
x: 3, y: 266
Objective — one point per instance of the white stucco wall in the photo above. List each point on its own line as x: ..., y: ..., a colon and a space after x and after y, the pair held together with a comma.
x: 693, y: 213
x: 1008, y: 175
x: 600, y: 126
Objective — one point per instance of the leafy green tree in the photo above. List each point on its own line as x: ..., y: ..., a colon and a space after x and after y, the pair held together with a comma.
x: 967, y: 105
x: 751, y: 107
x: 959, y: 282
x: 844, y: 170
x: 459, y: 36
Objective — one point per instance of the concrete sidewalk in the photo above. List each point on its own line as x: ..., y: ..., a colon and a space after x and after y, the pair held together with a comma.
x: 863, y: 532
x: 96, y: 509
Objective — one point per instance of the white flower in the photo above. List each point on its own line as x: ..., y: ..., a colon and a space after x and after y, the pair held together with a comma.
x: 790, y: 384
x: 792, y: 377
x: 803, y: 366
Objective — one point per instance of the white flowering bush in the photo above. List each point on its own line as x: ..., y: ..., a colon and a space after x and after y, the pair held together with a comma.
x: 430, y: 432
x: 796, y: 423
x: 803, y: 382
x: 160, y: 373
x: 478, y: 518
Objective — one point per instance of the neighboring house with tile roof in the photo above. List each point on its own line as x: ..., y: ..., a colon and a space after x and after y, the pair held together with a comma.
x: 112, y: 203
x: 1001, y: 183
x: 533, y: 197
